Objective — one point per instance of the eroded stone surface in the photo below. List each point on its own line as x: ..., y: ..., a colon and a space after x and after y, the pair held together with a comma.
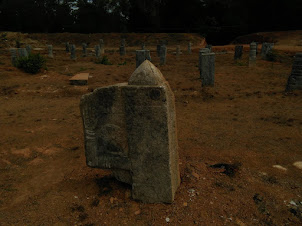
x: 131, y: 129
x: 207, y: 69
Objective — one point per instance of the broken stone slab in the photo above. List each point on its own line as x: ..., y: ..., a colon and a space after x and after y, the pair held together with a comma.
x: 130, y: 128
x: 208, y: 46
x: 294, y: 81
x: 207, y: 69
x: 252, y: 55
x: 238, y: 52
x: 80, y: 79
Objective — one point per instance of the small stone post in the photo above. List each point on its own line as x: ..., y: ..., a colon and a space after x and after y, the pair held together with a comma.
x: 97, y: 49
x: 238, y: 52
x: 50, y: 53
x: 131, y: 129
x: 141, y: 56
x: 14, y: 56
x: 163, y: 54
x: 84, y: 46
x: 252, y: 56
x: 73, y: 52
x: 202, y: 51
x: 67, y: 47
x: 28, y: 49
x: 207, y: 69
x: 189, y: 48
x: 102, y: 47
x: 295, y: 79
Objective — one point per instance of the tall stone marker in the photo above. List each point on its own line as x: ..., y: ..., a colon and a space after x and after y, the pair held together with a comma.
x: 131, y: 129
x: 295, y: 79
x: 189, y: 48
x: 102, y: 46
x: 202, y: 51
x: 73, y: 52
x: 238, y: 52
x: 252, y: 56
x: 97, y: 50
x: 50, y: 51
x: 207, y: 69
x: 141, y: 56
x: 163, y: 54
x: 84, y: 52
x: 266, y: 49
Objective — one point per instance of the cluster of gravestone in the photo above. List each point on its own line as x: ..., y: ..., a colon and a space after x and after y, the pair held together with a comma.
x: 19, y: 52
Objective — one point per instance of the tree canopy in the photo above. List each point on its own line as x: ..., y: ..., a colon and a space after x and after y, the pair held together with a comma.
x: 212, y: 18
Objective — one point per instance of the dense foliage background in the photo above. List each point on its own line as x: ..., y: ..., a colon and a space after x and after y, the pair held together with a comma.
x: 218, y: 20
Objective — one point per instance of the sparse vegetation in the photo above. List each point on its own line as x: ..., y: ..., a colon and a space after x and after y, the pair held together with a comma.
x: 31, y: 64
x: 272, y: 55
x: 103, y: 60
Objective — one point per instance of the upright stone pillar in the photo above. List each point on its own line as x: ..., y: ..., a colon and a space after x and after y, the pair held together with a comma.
x: 84, y: 47
x: 207, y: 69
x: 202, y: 51
x: 295, y: 79
x: 252, y: 56
x: 97, y: 50
x: 14, y: 56
x: 189, y: 48
x: 238, y: 52
x: 163, y: 54
x: 141, y: 56
x: 28, y: 49
x: 131, y: 129
x: 177, y: 50
x: 22, y: 52
x: 102, y: 46
x: 50, y: 51
x: 67, y: 47
x: 73, y: 52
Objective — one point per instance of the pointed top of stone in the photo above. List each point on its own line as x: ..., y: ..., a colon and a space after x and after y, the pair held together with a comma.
x: 146, y: 74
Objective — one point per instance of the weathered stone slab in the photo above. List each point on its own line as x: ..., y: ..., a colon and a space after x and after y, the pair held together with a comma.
x: 189, y: 47
x: 79, y: 79
x: 295, y: 79
x: 84, y: 49
x: 252, y: 55
x: 266, y: 49
x: 238, y: 52
x: 202, y: 51
x: 73, y: 52
x: 207, y: 69
x: 163, y: 54
x: 131, y: 129
x: 50, y: 51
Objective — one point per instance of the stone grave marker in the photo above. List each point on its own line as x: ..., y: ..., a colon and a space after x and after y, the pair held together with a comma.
x: 22, y: 52
x: 163, y: 54
x: 295, y: 79
x: 80, y: 79
x: 97, y: 49
x: 252, y: 55
x: 207, y: 69
x: 130, y: 128
x: 266, y: 48
x: 202, y: 51
x: 238, y: 52
x: 28, y: 49
x: 102, y: 46
x: 14, y: 56
x: 73, y: 52
x: 50, y: 52
x: 141, y: 56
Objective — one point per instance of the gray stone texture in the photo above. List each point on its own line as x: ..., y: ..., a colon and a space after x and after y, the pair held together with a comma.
x: 131, y: 129
x: 202, y: 51
x: 50, y: 51
x: 73, y: 52
x: 84, y: 49
x: 163, y: 54
x: 97, y: 50
x: 141, y: 56
x: 14, y: 56
x: 207, y: 69
x: 102, y: 46
x: 294, y: 81
x: 252, y: 55
x: 238, y: 52
x: 189, y: 47
x: 28, y: 49
x: 67, y: 47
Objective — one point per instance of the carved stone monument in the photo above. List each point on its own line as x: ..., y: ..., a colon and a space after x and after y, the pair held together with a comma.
x: 207, y: 69
x: 131, y: 129
x: 238, y: 52
x: 252, y: 56
x: 295, y: 79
